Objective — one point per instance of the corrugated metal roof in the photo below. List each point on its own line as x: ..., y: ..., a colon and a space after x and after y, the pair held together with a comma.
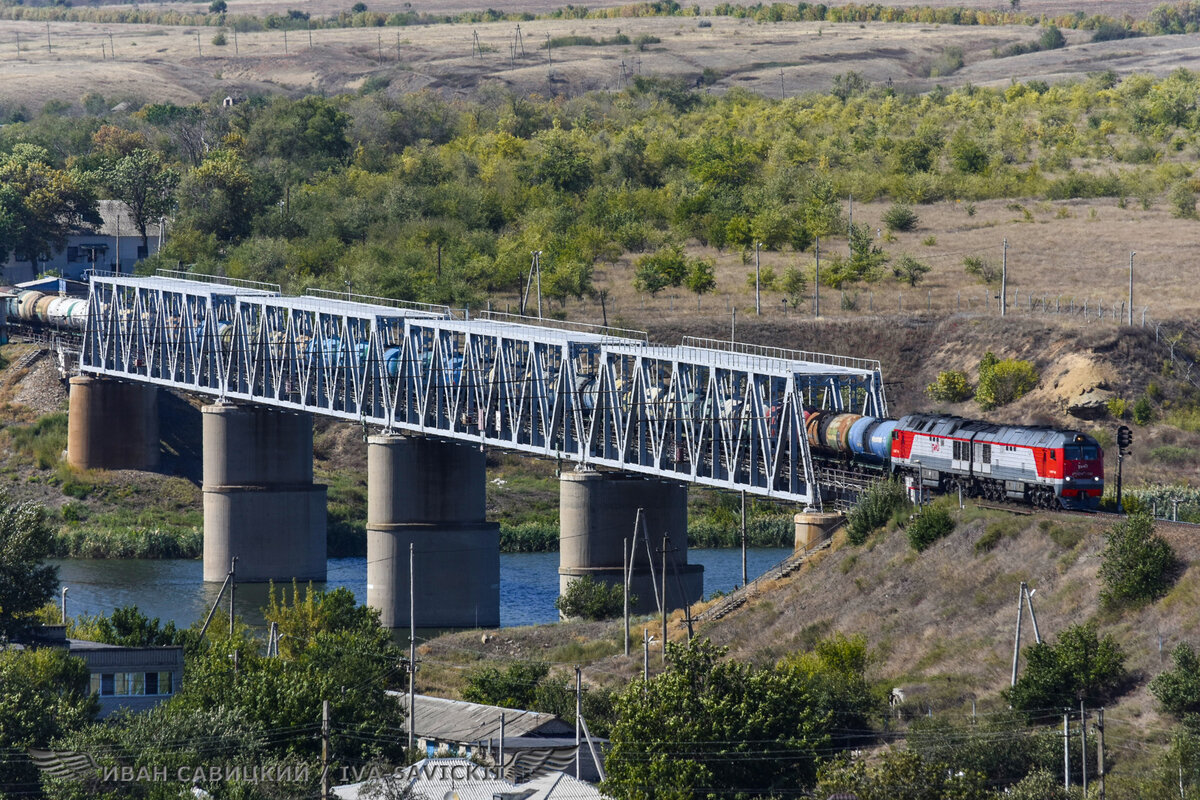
x: 460, y: 721
x: 434, y: 778
x: 561, y: 786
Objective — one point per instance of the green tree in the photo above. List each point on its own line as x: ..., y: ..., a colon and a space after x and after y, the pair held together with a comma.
x: 864, y: 264
x: 563, y: 162
x: 1051, y: 38
x: 40, y: 205
x: 900, y: 775
x: 933, y: 523
x: 26, y: 584
x: 44, y: 694
x: 217, y: 7
x: 588, y: 598
x: 712, y: 725
x: 910, y: 270
x: 701, y: 278
x: 655, y: 272
x: 1178, y: 689
x: 1079, y: 666
x: 794, y: 285
x: 218, y: 196
x: 1002, y: 382
x: 141, y: 181
x: 900, y: 217
x: 512, y: 687
x: 1137, y: 565
x: 951, y: 386
x: 129, y: 627
x: 874, y: 508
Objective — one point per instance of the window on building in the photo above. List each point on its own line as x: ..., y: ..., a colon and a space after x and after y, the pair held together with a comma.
x: 72, y: 255
x: 143, y: 252
x: 124, y: 684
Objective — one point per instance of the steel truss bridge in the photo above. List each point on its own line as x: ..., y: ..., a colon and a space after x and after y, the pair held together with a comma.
x: 709, y: 412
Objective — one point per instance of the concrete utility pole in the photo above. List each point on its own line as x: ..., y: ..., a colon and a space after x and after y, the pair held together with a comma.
x: 757, y: 283
x: 664, y: 600
x: 64, y: 605
x: 232, y: 586
x: 578, y: 717
x: 817, y: 280
x: 625, y: 581
x: 1066, y: 750
x: 1100, y: 748
x: 1083, y: 740
x: 412, y: 649
x: 1131, y: 255
x: 744, y: 573
x: 1004, y: 280
x: 325, y: 750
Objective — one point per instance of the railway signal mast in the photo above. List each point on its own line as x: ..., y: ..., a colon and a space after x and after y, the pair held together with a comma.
x: 1124, y: 440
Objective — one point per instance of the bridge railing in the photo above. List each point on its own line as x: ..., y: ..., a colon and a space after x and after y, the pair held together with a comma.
x: 203, y: 277
x: 605, y: 331
x: 781, y: 354
x: 373, y: 300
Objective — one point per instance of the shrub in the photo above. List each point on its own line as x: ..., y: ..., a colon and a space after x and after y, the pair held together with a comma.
x: 591, y: 599
x: 910, y: 270
x: 1183, y: 200
x: 1178, y: 689
x: 900, y: 217
x: 874, y: 509
x: 1002, y: 382
x: 933, y: 523
x: 1137, y: 565
x: 985, y: 270
x: 1079, y: 666
x: 1117, y: 407
x: 1143, y: 412
x: 219, y: 40
x: 951, y: 386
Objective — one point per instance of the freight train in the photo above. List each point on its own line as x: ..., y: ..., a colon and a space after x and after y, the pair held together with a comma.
x: 31, y: 306
x: 1041, y: 466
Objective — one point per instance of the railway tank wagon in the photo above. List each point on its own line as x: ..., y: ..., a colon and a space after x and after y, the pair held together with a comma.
x: 1042, y: 466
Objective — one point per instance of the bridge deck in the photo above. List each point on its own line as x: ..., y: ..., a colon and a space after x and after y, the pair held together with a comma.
x: 714, y: 413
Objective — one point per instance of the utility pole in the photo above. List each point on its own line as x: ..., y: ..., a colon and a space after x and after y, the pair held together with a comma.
x: 578, y: 717
x: 112, y: 51
x: 1004, y: 280
x: 1100, y: 748
x: 817, y: 280
x: 664, y: 601
x: 645, y: 659
x: 235, y: 42
x: 745, y: 577
x: 48, y: 50
x: 1066, y: 750
x: 64, y: 605
x: 200, y: 52
x: 324, y: 750
x: 412, y: 648
x: 1083, y: 741
x: 757, y: 283
x: 1131, y: 255
x: 625, y: 581
x: 1017, y: 639
x: 285, y: 46
x: 232, y: 584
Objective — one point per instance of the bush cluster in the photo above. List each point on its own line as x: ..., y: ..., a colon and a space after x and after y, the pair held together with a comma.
x: 589, y: 598
x: 1137, y: 565
x: 951, y: 386
x: 876, y: 506
x: 933, y: 523
x: 1002, y: 382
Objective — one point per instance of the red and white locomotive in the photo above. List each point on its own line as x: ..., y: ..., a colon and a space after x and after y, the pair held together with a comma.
x: 1041, y: 466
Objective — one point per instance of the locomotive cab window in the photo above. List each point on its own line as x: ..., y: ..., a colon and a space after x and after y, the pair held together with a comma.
x: 1086, y: 452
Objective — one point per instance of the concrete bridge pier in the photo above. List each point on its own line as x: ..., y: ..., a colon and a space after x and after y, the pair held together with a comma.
x: 598, y: 511
x: 112, y: 424
x: 430, y: 494
x: 260, y: 503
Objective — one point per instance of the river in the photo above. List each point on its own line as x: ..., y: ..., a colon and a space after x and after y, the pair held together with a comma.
x: 172, y: 589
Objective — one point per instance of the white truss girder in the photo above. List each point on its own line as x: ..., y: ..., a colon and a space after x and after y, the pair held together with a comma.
x: 705, y: 412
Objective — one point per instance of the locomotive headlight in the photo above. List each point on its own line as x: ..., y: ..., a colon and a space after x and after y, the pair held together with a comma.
x: 1067, y: 478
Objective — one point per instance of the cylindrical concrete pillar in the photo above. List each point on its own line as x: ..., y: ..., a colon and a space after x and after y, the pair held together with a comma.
x: 112, y: 424
x: 260, y: 503
x: 431, y: 495
x: 814, y: 527
x: 597, y: 513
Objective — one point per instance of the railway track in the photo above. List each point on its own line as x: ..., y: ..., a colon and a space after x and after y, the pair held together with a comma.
x: 1191, y: 526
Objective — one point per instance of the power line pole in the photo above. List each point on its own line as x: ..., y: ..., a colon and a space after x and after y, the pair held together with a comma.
x: 664, y: 600
x: 1066, y: 750
x: 112, y: 51
x: 625, y: 581
x: 1017, y: 638
x: 1100, y: 748
x: 745, y: 577
x: 1004, y: 280
x: 412, y: 646
x: 757, y: 283
x: 199, y: 52
x: 817, y: 280
x: 1131, y: 255
x: 645, y: 659
x: 324, y: 750
x: 232, y: 586
x: 578, y: 717
x: 1083, y: 740
x: 285, y: 44
x: 48, y: 50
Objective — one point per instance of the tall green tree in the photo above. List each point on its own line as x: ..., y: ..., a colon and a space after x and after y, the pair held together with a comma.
x: 713, y: 726
x: 26, y: 584
x: 141, y: 181
x: 40, y: 205
x: 43, y: 693
x: 1080, y: 665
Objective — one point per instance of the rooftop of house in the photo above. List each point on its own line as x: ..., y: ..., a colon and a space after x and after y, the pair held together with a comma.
x: 118, y: 219
x: 461, y: 721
